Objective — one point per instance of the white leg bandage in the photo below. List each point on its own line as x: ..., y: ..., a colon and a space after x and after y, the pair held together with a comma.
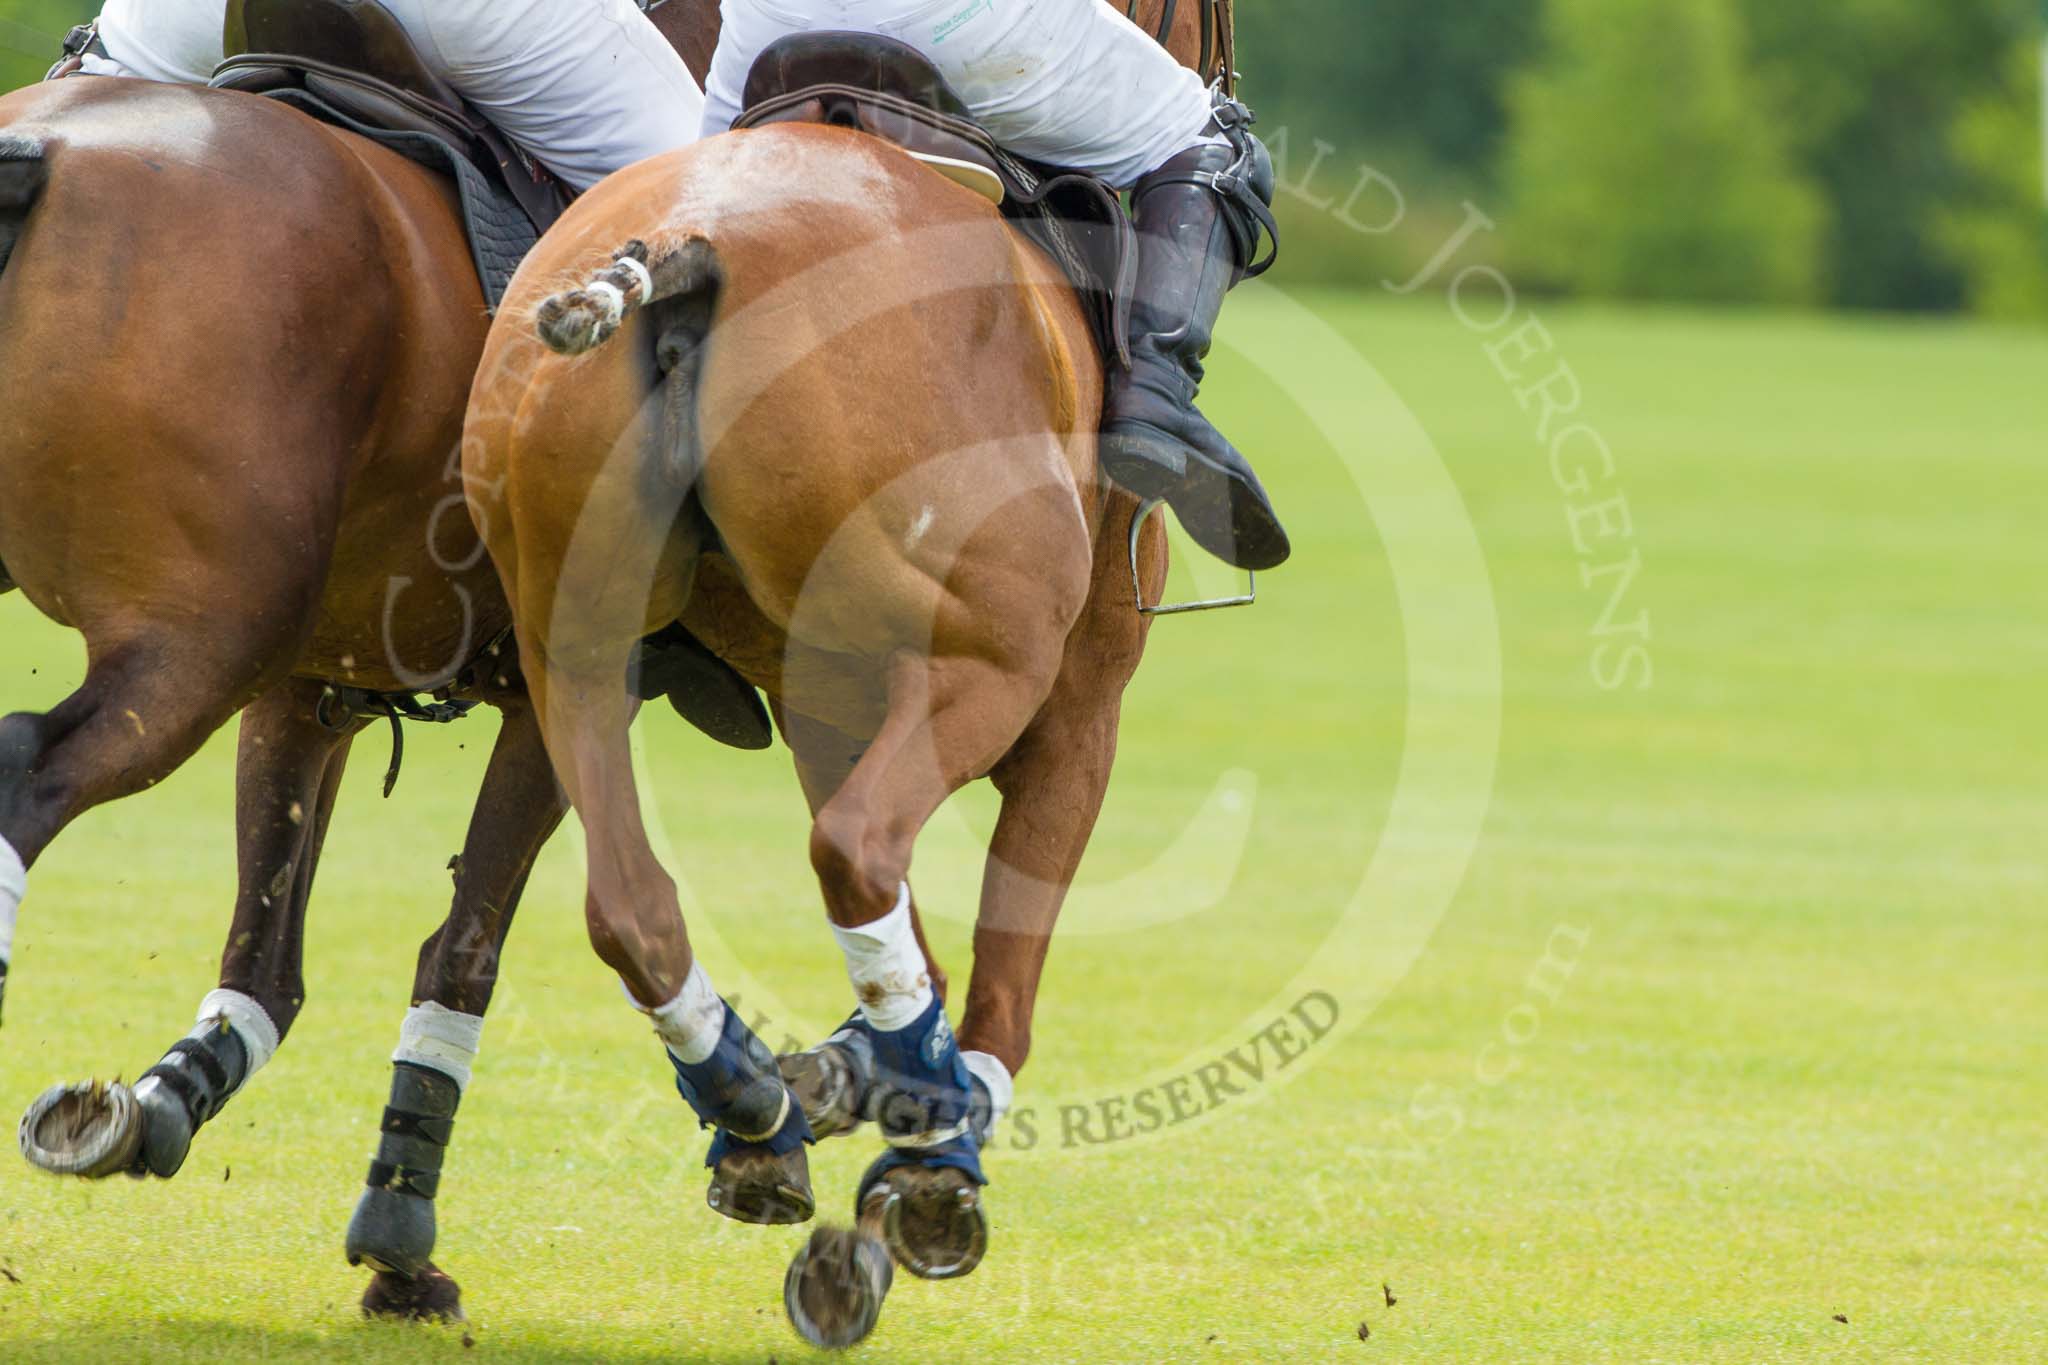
x: 887, y: 968
x: 441, y: 1039
x: 990, y: 1071
x: 250, y: 1021
x: 13, y: 886
x: 692, y: 1023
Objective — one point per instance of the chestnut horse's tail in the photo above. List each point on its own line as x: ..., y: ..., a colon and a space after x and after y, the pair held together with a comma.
x: 24, y: 170
x: 586, y: 317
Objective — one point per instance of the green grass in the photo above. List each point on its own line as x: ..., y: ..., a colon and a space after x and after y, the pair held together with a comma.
x: 1797, y: 1072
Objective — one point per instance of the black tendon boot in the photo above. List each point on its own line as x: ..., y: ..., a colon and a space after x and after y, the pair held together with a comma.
x: 393, y: 1227
x: 180, y: 1093
x: 1199, y: 220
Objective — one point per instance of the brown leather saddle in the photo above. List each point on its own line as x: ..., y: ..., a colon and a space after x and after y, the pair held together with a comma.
x: 892, y: 91
x: 352, y: 63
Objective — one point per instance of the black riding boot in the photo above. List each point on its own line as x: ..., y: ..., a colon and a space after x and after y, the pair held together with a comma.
x: 1154, y: 441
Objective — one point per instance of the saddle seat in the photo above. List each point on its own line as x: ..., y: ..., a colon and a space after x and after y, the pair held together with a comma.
x: 890, y: 90
x: 878, y: 86
x: 356, y: 58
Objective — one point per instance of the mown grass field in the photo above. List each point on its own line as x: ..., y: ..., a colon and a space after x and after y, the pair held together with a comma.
x: 1795, y: 1071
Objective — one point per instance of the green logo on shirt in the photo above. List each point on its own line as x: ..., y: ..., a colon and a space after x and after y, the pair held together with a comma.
x: 961, y: 20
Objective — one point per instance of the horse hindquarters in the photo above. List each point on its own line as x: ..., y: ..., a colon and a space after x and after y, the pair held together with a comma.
x: 178, y: 440
x: 177, y: 455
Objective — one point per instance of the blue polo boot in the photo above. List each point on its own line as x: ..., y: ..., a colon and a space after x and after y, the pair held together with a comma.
x: 760, y: 1173
x: 923, y: 1196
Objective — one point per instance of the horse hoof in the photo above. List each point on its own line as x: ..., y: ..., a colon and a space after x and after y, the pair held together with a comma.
x: 753, y: 1185
x: 834, y: 1289
x: 827, y: 1084
x: 430, y: 1296
x: 92, y: 1130
x: 932, y: 1221
x: 392, y: 1232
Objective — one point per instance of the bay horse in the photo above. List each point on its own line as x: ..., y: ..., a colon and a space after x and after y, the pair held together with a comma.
x: 250, y: 545
x: 234, y: 349
x: 828, y: 409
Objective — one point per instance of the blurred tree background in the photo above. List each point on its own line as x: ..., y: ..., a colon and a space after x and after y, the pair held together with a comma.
x: 1857, y: 154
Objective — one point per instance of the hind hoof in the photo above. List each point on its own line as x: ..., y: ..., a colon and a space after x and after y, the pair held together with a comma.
x: 932, y: 1221
x: 830, y: 1086
x: 430, y: 1296
x: 91, y: 1130
x: 753, y: 1185
x: 834, y: 1290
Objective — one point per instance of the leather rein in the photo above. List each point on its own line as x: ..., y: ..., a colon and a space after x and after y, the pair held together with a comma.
x: 1218, y: 62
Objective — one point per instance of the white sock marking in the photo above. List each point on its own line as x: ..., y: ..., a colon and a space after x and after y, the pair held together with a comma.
x: 692, y: 1023
x: 250, y: 1021
x: 887, y: 968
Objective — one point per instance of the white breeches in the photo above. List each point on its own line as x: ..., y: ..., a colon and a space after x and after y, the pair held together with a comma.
x: 583, y: 86
x: 1069, y: 82
x: 161, y: 40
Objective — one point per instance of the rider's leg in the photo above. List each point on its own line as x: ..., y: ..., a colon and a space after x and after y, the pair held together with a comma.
x: 1116, y: 103
x: 1195, y: 242
x: 585, y: 86
x: 159, y: 40
x: 1098, y: 94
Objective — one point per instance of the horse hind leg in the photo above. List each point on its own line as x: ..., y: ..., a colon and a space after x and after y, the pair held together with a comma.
x: 950, y: 719
x: 288, y: 776
x: 834, y: 1081
x: 1052, y: 783
x: 146, y: 705
x: 394, y: 1229
x: 586, y: 582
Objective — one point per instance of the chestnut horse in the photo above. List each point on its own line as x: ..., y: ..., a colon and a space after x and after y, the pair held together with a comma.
x: 252, y: 543
x: 846, y: 432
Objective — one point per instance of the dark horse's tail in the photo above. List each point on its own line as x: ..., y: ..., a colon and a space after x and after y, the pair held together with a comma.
x: 24, y: 170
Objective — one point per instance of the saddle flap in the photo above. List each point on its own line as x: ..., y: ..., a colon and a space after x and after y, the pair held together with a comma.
x: 358, y: 66
x: 352, y: 35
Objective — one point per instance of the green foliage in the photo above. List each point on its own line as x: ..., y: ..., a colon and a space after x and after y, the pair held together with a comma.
x: 1398, y: 79
x: 1869, y: 92
x: 1870, y: 97
x: 1997, y: 234
x: 1645, y: 163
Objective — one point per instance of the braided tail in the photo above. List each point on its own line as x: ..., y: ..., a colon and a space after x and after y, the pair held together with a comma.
x: 585, y: 318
